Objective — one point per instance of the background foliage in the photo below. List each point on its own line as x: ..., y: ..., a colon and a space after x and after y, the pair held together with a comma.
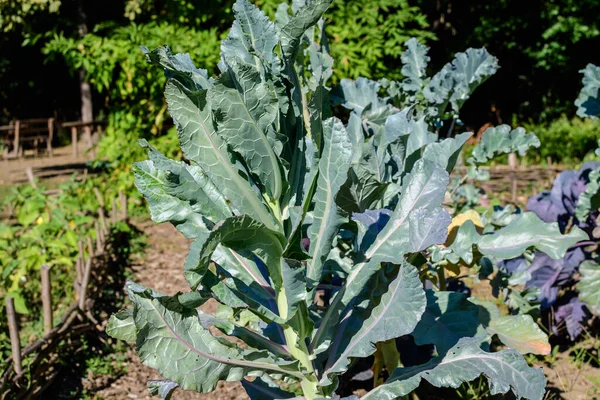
x: 542, y: 48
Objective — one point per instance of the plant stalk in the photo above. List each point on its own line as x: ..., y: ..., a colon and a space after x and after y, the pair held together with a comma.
x: 298, y: 349
x: 441, y: 277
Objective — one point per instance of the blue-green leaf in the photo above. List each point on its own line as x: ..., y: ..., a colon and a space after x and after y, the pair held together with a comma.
x: 504, y: 370
x: 171, y: 339
x: 333, y: 172
x: 396, y: 314
x: 502, y: 140
x: 588, y: 102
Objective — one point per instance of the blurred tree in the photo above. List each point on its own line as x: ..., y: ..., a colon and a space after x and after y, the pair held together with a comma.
x: 367, y: 36
x: 16, y: 13
x: 541, y: 45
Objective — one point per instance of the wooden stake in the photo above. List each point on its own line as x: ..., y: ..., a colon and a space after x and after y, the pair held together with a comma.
x: 84, y: 284
x: 99, y: 244
x: 79, y: 270
x: 47, y: 299
x: 15, y: 341
x: 81, y: 252
x: 102, y: 221
x: 90, y: 245
x: 29, y: 173
x: 123, y: 200
x: 74, y: 141
x: 513, y: 163
x: 99, y: 196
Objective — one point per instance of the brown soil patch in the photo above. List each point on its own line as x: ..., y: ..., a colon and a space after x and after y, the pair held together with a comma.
x: 61, y: 165
x: 161, y: 269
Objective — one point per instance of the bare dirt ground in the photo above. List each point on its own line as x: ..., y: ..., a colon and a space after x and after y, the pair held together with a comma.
x: 161, y: 268
x: 60, y: 165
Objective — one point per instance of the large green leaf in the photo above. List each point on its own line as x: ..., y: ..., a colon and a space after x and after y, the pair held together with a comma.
x: 589, y: 286
x: 504, y: 370
x: 456, y: 80
x: 521, y: 333
x: 201, y: 144
x: 252, y: 37
x: 121, y: 326
x: 180, y: 67
x: 528, y: 230
x: 451, y: 80
x: 588, y: 102
x: 502, y: 140
x: 243, y: 234
x: 417, y: 222
x: 251, y: 338
x: 171, y: 339
x: 303, y: 19
x: 333, y: 172
x: 446, y: 152
x: 396, y: 314
x: 162, y: 388
x: 414, y: 63
x: 245, y: 109
x: 589, y: 200
x: 364, y: 186
x: 189, y: 183
x: 238, y: 295
x: 265, y: 389
x: 165, y: 207
x: 448, y: 317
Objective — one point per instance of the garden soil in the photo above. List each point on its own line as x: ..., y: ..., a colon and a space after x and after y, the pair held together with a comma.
x: 161, y: 269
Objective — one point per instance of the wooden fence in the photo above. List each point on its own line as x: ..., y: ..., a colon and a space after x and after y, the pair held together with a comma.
x: 515, y: 181
x: 29, y: 381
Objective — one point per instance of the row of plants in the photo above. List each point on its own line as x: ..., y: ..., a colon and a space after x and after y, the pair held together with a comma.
x: 42, y: 226
x: 332, y: 243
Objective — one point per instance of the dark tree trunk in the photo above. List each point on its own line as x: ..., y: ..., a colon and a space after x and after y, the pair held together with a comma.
x: 87, y: 113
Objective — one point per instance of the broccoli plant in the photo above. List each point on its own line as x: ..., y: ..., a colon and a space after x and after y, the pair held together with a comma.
x: 285, y: 202
x: 569, y: 286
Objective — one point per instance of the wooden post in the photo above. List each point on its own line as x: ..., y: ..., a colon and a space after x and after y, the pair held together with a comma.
x: 79, y: 269
x: 50, y: 136
x: 74, y: 141
x: 29, y: 173
x: 513, y: 163
x: 47, y: 299
x: 103, y: 226
x: 98, y: 196
x: 99, y: 244
x: 90, y: 246
x: 84, y: 283
x: 17, y: 144
x: 123, y: 200
x: 15, y: 341
x: 80, y: 246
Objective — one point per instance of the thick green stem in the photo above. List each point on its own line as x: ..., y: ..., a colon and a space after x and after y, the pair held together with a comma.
x: 441, y: 272
x: 391, y: 356
x: 298, y: 349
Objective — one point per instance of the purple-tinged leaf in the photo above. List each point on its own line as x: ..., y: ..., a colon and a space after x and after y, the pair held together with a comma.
x: 544, y: 273
x: 516, y: 264
x: 571, y: 314
x: 544, y: 207
x: 570, y: 262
